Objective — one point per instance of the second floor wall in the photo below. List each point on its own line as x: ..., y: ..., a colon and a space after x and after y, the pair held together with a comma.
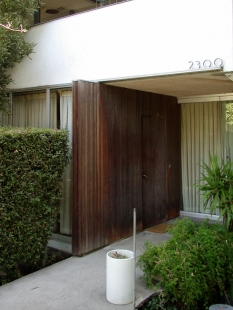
x: 134, y: 38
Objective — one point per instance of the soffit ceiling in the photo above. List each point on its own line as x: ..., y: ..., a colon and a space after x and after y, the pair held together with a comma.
x: 180, y: 85
x: 65, y: 7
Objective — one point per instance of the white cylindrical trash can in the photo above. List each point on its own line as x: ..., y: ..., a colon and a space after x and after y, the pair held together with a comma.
x: 220, y: 307
x: 119, y: 277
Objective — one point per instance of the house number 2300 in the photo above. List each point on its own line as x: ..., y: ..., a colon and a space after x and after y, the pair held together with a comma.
x: 218, y: 62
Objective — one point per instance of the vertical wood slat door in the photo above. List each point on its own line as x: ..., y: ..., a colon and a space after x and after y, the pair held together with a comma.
x: 107, y: 156
x: 153, y: 171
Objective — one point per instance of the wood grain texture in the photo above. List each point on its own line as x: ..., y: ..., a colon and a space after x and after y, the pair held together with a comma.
x: 107, y: 155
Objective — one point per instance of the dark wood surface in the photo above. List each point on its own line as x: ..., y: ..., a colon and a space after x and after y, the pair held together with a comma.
x: 116, y: 132
x: 154, y: 180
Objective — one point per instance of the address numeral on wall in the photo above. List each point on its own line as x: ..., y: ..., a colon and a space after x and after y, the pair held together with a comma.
x: 218, y: 62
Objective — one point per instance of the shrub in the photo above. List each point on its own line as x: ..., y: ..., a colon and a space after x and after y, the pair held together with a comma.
x: 160, y: 301
x: 194, y: 266
x: 216, y: 186
x: 31, y: 166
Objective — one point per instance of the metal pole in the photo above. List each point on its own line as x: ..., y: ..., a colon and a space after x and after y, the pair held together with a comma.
x: 134, y: 255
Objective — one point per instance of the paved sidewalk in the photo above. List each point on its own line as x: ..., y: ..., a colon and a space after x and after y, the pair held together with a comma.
x: 77, y: 283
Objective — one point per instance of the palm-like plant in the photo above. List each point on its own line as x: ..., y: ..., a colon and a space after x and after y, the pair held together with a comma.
x: 217, y: 189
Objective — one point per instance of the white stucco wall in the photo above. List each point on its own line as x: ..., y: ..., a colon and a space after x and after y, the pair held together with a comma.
x: 140, y: 37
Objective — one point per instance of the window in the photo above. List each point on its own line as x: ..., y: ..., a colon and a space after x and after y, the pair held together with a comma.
x: 33, y: 110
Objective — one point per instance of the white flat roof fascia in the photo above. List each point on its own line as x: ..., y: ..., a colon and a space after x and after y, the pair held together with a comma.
x: 41, y: 88
x: 167, y: 74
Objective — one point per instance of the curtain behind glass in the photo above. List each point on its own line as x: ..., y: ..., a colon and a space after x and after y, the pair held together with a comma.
x: 66, y: 122
x: 200, y: 136
x: 30, y: 110
x: 5, y: 119
x: 227, y: 129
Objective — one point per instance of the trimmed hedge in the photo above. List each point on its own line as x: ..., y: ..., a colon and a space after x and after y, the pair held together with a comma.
x: 31, y: 165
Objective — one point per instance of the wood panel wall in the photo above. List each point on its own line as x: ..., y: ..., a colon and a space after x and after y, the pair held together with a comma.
x: 107, y: 178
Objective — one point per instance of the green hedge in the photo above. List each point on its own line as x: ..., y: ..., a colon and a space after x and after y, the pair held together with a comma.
x: 31, y: 165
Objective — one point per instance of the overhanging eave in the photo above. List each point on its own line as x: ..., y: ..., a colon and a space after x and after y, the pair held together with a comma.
x: 196, y: 83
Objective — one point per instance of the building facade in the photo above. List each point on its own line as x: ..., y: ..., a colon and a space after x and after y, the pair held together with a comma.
x: 145, y: 89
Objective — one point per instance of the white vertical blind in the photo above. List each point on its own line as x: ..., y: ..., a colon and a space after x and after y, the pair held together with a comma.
x: 200, y: 136
x: 66, y: 122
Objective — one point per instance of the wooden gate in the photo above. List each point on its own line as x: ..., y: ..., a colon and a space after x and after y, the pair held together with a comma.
x: 110, y: 128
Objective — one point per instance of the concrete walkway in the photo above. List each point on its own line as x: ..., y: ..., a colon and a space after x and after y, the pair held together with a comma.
x: 77, y: 283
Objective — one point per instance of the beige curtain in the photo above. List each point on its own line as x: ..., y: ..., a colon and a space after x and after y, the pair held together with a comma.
x: 5, y: 119
x: 200, y: 136
x: 66, y: 122
x: 30, y: 110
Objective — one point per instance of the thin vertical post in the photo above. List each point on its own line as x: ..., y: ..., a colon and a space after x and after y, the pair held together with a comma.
x: 134, y: 255
x: 11, y: 108
x: 48, y: 93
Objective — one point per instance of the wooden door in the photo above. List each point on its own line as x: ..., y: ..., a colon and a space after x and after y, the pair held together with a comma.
x: 154, y: 188
x: 107, y: 159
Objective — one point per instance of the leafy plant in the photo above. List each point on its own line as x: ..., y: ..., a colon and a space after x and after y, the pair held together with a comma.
x: 31, y: 166
x: 13, y: 47
x: 217, y: 187
x: 118, y: 255
x: 194, y: 266
x: 160, y: 301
